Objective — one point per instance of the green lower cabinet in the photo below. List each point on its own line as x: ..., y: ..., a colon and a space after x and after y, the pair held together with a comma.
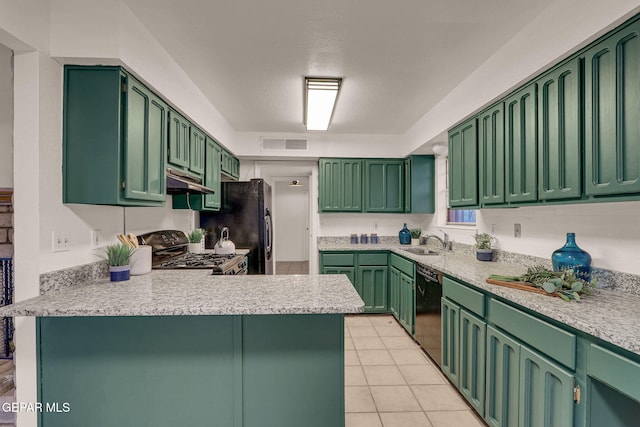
x: 450, y: 340
x: 394, y: 292
x: 472, y: 359
x: 371, y: 284
x: 502, y: 379
x: 546, y: 392
x: 349, y: 271
x: 407, y: 309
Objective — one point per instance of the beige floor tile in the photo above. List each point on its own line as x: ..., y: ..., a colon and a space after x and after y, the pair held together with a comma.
x: 394, y: 398
x: 383, y: 320
x: 391, y: 331
x: 346, y: 332
x: 354, y: 375
x: 453, y: 418
x: 421, y: 374
x: 409, y: 357
x: 358, y: 399
x: 383, y: 375
x: 375, y: 357
x: 439, y: 398
x: 368, y: 343
x: 399, y: 342
x: 348, y: 343
x: 357, y: 320
x: 362, y: 420
x: 405, y: 419
x: 363, y: 331
x: 351, y: 358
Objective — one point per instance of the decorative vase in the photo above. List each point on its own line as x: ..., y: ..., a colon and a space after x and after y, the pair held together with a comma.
x: 405, y: 235
x: 195, y: 248
x: 118, y: 273
x: 484, y: 254
x: 571, y: 257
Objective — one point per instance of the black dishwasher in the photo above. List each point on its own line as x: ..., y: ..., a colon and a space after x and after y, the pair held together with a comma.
x: 428, y: 331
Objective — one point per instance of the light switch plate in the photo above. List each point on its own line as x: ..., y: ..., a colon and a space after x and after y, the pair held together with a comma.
x: 517, y: 231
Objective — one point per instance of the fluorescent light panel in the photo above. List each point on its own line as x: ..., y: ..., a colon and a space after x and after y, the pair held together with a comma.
x: 321, y: 94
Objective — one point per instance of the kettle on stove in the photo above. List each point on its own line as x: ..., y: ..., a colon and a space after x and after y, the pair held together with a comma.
x: 224, y: 245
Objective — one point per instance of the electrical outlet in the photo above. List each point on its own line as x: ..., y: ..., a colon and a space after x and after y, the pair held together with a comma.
x: 493, y: 229
x: 60, y: 242
x: 96, y: 238
x: 517, y: 231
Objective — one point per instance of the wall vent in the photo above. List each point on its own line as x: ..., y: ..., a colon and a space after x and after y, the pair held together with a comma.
x: 283, y: 144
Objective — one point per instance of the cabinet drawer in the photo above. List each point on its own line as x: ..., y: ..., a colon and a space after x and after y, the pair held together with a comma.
x: 368, y: 258
x: 553, y: 341
x: 341, y: 259
x: 612, y: 369
x: 465, y: 296
x: 402, y: 264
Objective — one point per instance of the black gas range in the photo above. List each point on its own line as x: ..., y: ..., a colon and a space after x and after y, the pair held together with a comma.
x: 169, y: 250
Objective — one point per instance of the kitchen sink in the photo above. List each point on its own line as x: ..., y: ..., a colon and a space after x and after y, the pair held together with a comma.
x: 421, y: 251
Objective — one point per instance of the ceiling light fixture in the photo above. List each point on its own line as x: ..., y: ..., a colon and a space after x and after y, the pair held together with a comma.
x: 295, y: 183
x: 320, y: 100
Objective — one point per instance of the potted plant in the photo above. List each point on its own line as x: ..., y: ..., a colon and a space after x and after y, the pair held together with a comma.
x: 118, y: 257
x: 195, y: 241
x: 484, y: 252
x: 415, y: 235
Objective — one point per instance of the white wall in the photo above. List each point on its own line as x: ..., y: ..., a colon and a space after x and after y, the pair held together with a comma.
x: 291, y: 220
x: 6, y: 118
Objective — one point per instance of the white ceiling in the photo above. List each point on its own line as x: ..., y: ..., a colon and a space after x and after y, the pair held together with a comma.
x: 397, y: 58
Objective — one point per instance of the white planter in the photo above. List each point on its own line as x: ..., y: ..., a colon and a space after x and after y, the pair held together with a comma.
x: 415, y: 242
x: 195, y: 248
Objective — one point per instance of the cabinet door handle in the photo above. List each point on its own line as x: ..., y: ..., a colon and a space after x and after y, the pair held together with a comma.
x: 576, y: 394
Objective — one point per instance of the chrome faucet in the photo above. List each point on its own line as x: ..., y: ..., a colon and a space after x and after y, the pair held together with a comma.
x: 443, y: 241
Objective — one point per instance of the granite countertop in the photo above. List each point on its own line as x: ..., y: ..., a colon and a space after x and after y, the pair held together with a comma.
x: 196, y: 292
x: 608, y: 314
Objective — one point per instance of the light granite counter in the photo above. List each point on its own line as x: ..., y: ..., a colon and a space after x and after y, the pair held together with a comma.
x: 609, y: 314
x: 196, y: 292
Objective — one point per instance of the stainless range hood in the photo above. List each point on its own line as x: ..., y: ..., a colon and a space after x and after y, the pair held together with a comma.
x: 180, y: 183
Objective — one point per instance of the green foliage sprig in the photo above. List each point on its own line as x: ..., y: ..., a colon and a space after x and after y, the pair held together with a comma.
x: 415, y: 233
x: 195, y: 236
x: 483, y: 240
x: 564, y: 282
x: 119, y: 255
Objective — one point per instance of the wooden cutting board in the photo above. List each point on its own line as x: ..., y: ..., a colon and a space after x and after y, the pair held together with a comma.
x: 522, y: 286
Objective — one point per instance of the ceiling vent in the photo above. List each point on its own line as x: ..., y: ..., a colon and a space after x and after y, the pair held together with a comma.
x: 283, y: 144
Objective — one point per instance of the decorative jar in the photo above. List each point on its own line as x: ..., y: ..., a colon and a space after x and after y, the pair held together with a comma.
x: 571, y: 257
x: 405, y: 235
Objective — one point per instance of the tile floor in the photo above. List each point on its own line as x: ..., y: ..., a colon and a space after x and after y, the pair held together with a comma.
x: 292, y: 267
x: 390, y: 382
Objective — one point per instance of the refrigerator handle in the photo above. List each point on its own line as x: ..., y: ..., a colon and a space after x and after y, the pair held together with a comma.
x: 268, y: 230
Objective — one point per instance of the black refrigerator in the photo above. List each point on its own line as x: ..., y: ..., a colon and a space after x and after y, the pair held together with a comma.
x: 246, y: 211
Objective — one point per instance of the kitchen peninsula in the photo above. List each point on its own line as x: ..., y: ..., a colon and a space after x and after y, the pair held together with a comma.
x: 188, y: 348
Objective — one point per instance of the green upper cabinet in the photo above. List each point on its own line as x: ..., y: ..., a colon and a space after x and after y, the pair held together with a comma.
x: 196, y: 151
x: 612, y: 114
x: 384, y: 185
x: 491, y: 154
x: 463, y: 165
x: 230, y: 165
x: 205, y: 202
x: 521, y: 146
x: 179, y: 132
x: 340, y: 185
x: 419, y: 184
x: 559, y: 135
x: 114, y: 139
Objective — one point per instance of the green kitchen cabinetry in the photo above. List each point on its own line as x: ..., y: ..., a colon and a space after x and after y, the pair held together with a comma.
x: 502, y: 378
x: 179, y: 135
x: 367, y: 271
x: 463, y: 165
x: 463, y: 340
x: 394, y: 292
x: 230, y: 165
x: 205, y: 202
x: 402, y: 272
x: 491, y: 155
x: 559, y: 133
x: 419, y: 184
x: 521, y: 146
x: 340, y: 185
x: 384, y: 185
x: 114, y: 139
x: 197, y: 144
x: 612, y: 114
